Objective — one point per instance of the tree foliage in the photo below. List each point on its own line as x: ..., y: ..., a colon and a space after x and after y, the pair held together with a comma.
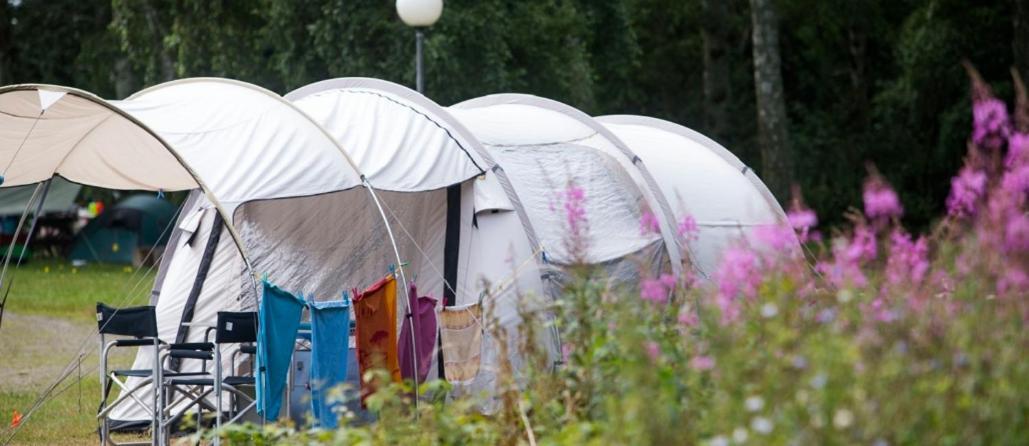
x: 867, y: 81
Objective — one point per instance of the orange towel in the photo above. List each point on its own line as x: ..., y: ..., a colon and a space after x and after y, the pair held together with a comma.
x: 376, y: 311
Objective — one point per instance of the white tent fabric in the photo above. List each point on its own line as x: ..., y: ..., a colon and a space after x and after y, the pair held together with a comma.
x: 397, y: 137
x: 411, y: 146
x: 544, y: 145
x: 243, y: 140
x: 701, y: 179
x: 259, y: 152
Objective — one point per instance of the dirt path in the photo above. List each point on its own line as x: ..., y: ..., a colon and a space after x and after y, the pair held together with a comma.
x: 34, y: 350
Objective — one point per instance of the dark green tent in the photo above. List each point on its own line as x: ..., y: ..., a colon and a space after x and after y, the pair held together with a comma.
x: 124, y: 232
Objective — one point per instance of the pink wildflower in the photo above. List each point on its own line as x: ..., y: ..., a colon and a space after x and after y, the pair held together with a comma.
x: 1016, y: 234
x: 702, y: 363
x: 881, y: 202
x: 658, y: 290
x: 1015, y: 182
x: 1014, y: 281
x: 688, y: 317
x: 649, y: 223
x: 908, y: 260
x: 688, y: 229
x: 653, y: 351
x: 848, y: 256
x: 862, y: 247
x: 990, y: 123
x: 780, y: 240
x: 1018, y: 150
x: 577, y: 242
x: 575, y: 212
x: 653, y: 290
x: 737, y: 275
x: 802, y: 220
x: 966, y: 190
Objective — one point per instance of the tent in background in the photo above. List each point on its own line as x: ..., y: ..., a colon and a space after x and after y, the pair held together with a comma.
x: 60, y: 199
x: 546, y: 146
x: 58, y: 216
x: 125, y: 232
x: 703, y: 180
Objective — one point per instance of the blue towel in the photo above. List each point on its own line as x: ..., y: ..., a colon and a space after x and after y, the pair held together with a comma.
x: 279, y: 317
x: 330, y: 335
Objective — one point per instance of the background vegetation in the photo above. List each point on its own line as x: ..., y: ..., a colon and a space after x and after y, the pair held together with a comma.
x: 864, y: 80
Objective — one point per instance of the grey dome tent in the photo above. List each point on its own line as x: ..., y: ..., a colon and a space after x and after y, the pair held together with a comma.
x: 124, y: 232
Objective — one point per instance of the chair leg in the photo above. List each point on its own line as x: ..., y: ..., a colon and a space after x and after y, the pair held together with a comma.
x: 155, y: 432
x: 217, y: 395
x: 103, y: 392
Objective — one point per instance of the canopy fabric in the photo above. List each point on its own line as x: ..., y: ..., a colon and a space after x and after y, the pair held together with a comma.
x: 49, y: 130
x: 246, y: 142
x: 60, y: 197
x: 701, y: 179
x: 400, y: 139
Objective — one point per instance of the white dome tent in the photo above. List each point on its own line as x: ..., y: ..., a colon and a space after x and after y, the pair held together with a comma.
x: 545, y: 146
x: 703, y: 180
x: 425, y: 164
x: 260, y: 155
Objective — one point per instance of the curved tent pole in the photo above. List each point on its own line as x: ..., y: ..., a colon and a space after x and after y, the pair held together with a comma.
x: 10, y: 248
x: 403, y: 282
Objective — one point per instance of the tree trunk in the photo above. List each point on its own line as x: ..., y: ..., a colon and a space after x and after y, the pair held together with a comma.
x: 165, y: 62
x: 715, y: 34
x: 124, y: 80
x: 1021, y: 40
x: 773, y: 135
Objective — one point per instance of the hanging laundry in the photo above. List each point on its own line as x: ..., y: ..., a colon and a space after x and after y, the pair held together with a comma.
x: 423, y: 318
x: 376, y: 312
x: 330, y: 342
x: 461, y: 335
x: 279, y: 319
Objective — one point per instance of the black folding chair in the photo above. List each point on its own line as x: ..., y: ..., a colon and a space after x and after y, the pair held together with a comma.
x: 140, y: 324
x: 231, y: 328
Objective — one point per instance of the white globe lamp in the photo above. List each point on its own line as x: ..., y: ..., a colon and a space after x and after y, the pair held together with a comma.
x: 419, y: 14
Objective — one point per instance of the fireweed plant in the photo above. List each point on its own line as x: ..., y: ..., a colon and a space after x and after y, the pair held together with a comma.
x: 870, y: 335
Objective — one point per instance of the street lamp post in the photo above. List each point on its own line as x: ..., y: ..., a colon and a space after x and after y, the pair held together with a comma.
x: 419, y: 14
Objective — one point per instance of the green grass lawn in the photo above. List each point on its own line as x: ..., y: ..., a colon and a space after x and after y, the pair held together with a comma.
x: 58, y: 289
x: 49, y: 316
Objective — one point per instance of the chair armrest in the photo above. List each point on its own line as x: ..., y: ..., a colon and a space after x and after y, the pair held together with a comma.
x: 248, y: 349
x: 197, y: 346
x: 134, y: 342
x: 190, y: 354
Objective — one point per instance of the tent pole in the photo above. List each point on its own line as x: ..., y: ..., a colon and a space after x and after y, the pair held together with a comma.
x: 403, y: 282
x: 45, y: 186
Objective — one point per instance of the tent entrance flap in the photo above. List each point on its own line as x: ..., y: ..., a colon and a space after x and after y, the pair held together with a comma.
x: 452, y: 244
x: 198, y: 283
